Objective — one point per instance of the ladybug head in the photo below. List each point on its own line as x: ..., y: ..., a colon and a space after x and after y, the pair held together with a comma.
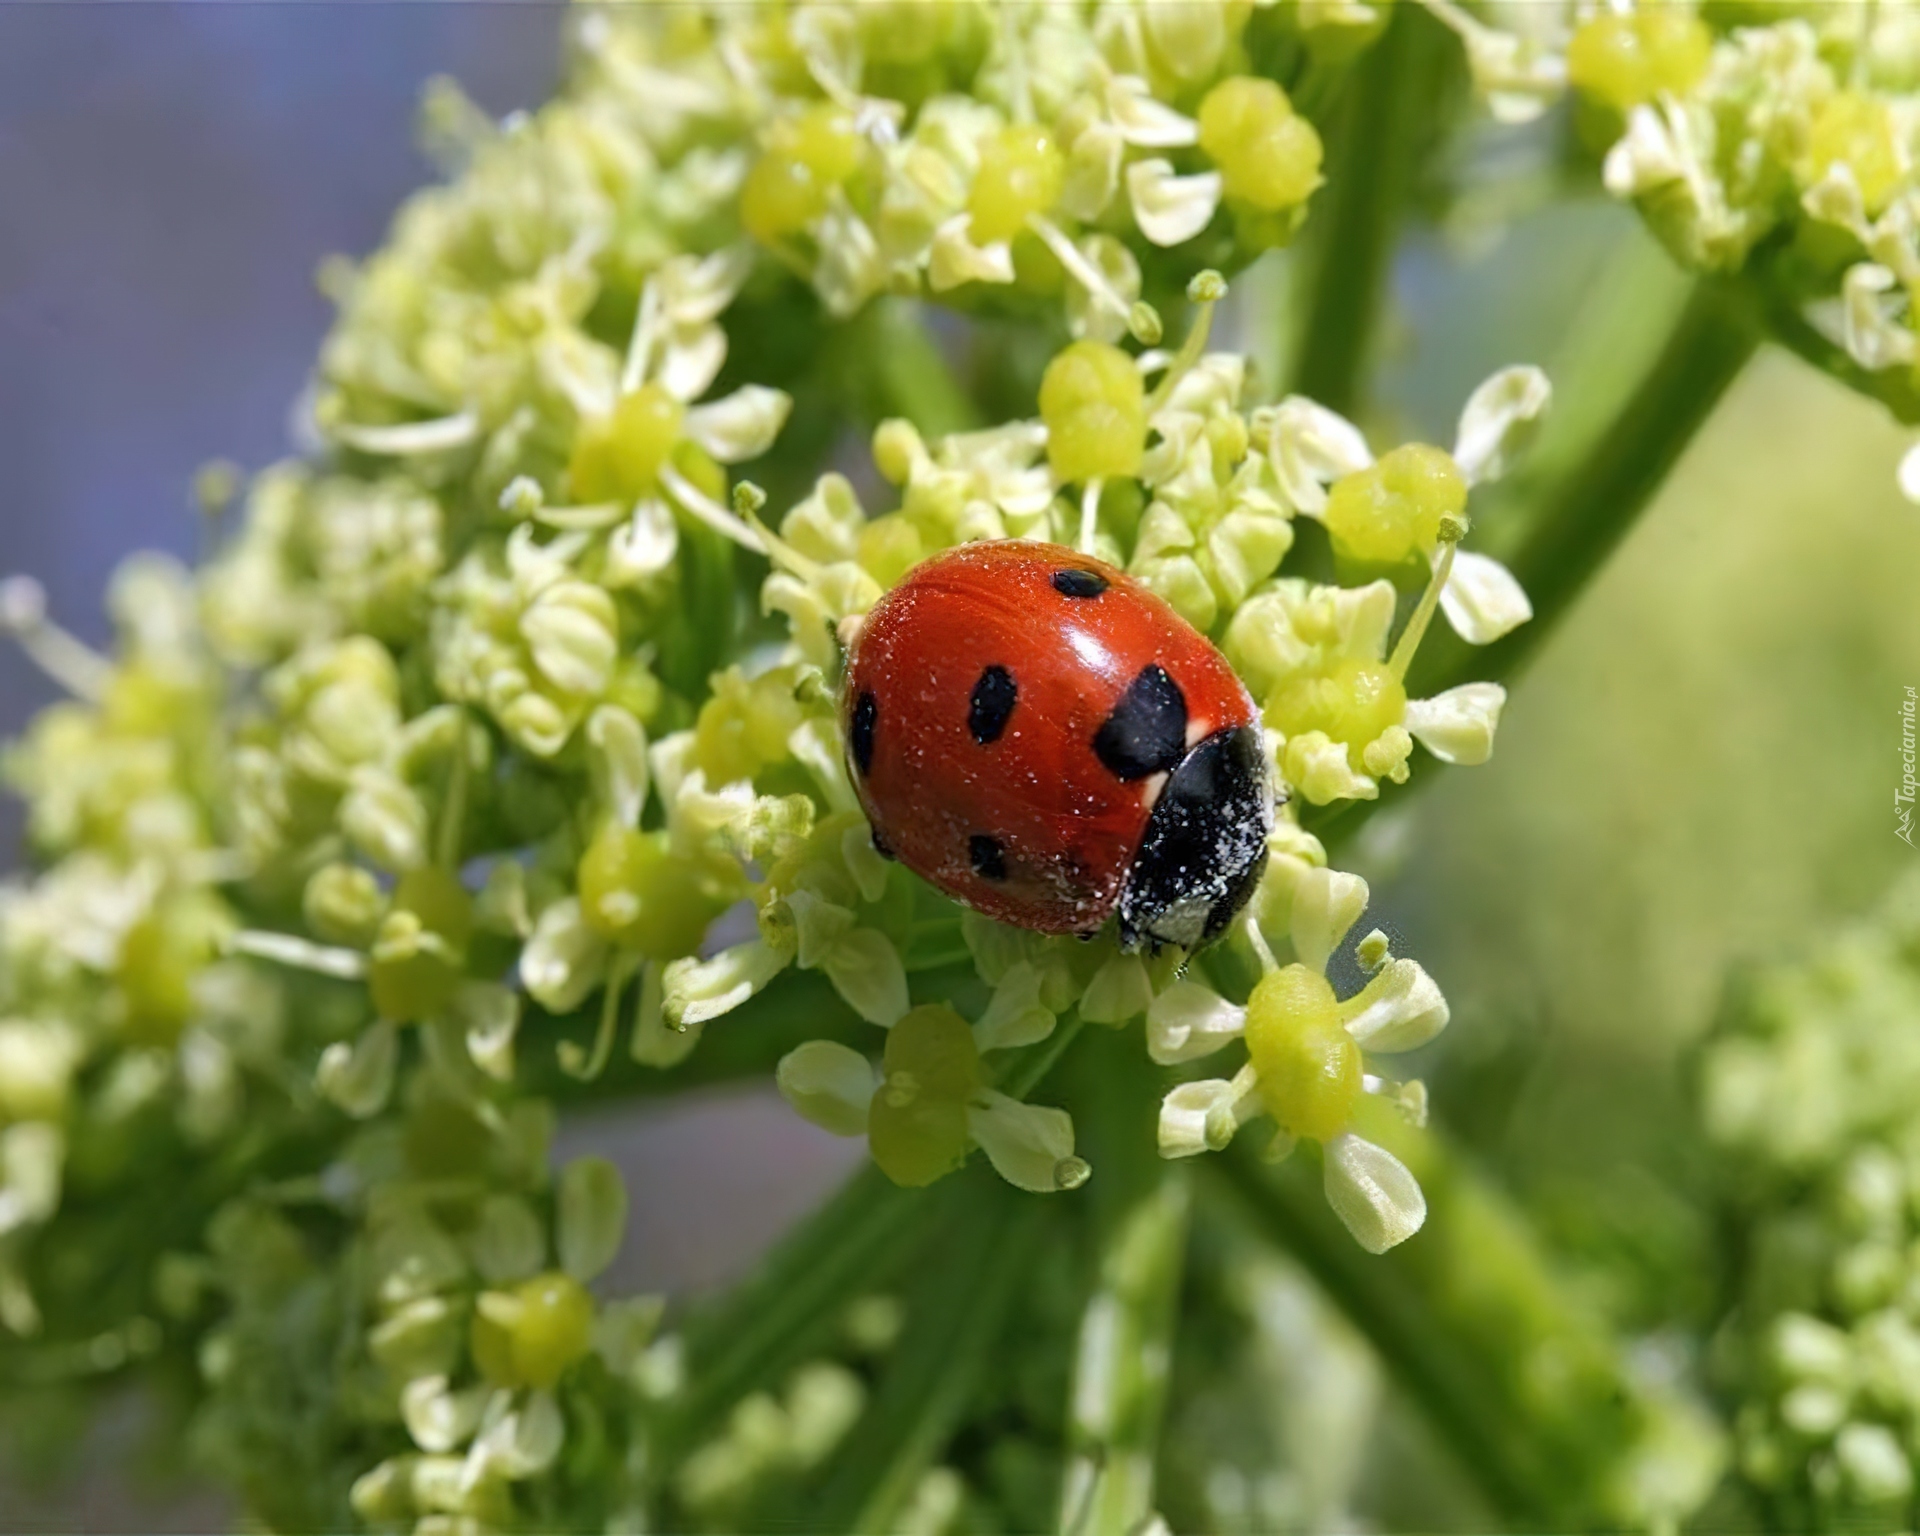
x: 1205, y: 845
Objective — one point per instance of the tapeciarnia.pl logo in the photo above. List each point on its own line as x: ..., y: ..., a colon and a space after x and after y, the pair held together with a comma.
x: 1903, y: 796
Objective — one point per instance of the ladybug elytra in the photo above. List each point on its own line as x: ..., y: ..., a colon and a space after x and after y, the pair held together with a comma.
x: 1047, y: 741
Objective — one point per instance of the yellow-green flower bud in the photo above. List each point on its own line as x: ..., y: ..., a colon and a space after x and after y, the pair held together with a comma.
x: 1094, y: 406
x: 1389, y: 512
x: 343, y: 904
x: 1308, y: 1065
x: 890, y: 546
x: 807, y: 155
x: 1625, y: 59
x: 1268, y: 156
x: 1354, y: 703
x: 159, y: 958
x: 618, y: 457
x: 745, y: 725
x: 636, y: 892
x: 1020, y: 174
x: 529, y: 1335
x: 1856, y: 131
x: 917, y: 1127
x: 420, y: 975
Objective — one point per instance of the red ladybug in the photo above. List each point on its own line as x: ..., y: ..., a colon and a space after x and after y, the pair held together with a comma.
x: 1046, y: 740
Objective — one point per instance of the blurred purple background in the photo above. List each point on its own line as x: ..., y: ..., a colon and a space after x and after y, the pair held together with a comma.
x: 170, y: 176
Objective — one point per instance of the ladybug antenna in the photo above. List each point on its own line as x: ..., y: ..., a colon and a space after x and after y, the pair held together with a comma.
x: 748, y: 499
x: 1452, y: 530
x: 1207, y: 289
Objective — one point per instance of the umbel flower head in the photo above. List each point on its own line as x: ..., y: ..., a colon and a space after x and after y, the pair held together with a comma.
x: 501, y: 729
x: 1807, y: 1088
x: 1309, y: 1055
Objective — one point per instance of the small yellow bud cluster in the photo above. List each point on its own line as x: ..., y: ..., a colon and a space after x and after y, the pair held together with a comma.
x: 1308, y: 1064
x: 529, y: 1335
x: 1390, y: 512
x: 1268, y: 155
x: 1626, y: 58
x: 1094, y: 407
x: 807, y: 156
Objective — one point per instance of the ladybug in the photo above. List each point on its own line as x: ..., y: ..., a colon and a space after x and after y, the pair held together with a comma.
x: 1047, y: 741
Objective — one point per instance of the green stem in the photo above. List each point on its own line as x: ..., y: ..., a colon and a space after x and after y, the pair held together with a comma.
x: 1124, y: 1357
x: 1563, y: 532
x: 1523, y: 1386
x: 788, y: 1309
x: 991, y: 1243
x: 1385, y: 126
x: 1650, y: 359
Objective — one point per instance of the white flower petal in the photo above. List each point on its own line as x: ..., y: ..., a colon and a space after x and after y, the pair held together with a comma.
x: 655, y: 1043
x: 440, y: 1420
x: 741, y: 425
x: 1326, y: 903
x: 1171, y: 209
x: 1144, y: 121
x: 1015, y: 1016
x: 955, y: 259
x: 1202, y: 1117
x: 1481, y: 599
x: 1498, y: 417
x: 830, y: 1084
x: 1458, y: 726
x: 1872, y: 331
x: 564, y: 960
x: 1400, y: 1009
x: 691, y: 359
x: 699, y: 990
x: 1188, y: 1021
x: 619, y: 743
x: 1645, y: 157
x: 1311, y: 447
x: 1320, y: 768
x: 866, y: 971
x: 490, y: 1015
x: 1373, y: 1193
x: 1910, y: 474
x: 591, y: 1218
x: 1029, y: 1145
x: 358, y: 1076
x: 1120, y: 990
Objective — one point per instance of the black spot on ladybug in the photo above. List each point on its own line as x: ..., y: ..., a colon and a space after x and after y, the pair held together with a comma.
x: 880, y: 846
x: 989, y: 858
x: 866, y: 714
x: 1147, y: 731
x: 1071, y: 583
x: 992, y: 701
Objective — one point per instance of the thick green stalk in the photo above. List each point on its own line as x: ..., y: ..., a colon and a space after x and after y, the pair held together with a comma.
x: 1382, y: 130
x: 1124, y: 1358
x: 1524, y: 1386
x: 1644, y: 367
x: 1555, y: 526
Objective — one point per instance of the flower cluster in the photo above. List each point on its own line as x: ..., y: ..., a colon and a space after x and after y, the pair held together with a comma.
x: 505, y: 707
x: 1808, y: 1089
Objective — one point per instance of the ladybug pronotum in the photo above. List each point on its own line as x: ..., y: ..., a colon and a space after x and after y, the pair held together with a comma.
x: 1046, y: 740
